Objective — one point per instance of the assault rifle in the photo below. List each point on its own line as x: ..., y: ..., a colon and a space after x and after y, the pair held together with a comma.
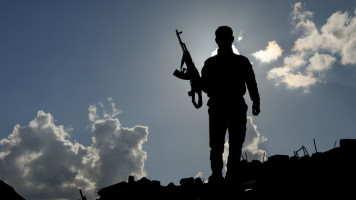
x: 189, y: 73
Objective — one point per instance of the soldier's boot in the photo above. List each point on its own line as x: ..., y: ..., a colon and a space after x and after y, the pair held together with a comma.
x: 233, y: 169
x: 216, y: 164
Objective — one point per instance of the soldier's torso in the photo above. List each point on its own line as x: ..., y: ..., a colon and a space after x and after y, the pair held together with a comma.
x: 225, y: 77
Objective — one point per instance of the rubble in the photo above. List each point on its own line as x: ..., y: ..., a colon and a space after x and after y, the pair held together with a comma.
x: 323, y: 174
x: 8, y: 192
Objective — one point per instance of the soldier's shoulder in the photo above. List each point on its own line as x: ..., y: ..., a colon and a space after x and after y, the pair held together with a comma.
x: 209, y: 63
x: 242, y: 58
x: 211, y: 59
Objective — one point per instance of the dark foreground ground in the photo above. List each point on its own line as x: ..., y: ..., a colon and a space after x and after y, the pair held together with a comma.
x: 8, y: 192
x: 322, y: 175
x: 330, y: 174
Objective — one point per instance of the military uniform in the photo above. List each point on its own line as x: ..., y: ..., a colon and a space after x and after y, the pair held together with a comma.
x: 224, y: 78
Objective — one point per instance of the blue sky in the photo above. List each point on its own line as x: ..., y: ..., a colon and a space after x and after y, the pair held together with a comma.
x: 91, y: 82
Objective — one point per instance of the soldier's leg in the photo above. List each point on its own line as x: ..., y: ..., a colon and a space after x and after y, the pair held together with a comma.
x: 237, y: 133
x: 217, y: 132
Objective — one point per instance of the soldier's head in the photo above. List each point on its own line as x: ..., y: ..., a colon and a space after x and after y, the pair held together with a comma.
x: 224, y: 37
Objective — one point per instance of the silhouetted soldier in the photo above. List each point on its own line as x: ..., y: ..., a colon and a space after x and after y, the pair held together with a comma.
x: 224, y: 80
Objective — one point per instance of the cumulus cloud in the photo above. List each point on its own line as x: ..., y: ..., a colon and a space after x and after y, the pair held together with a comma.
x: 292, y: 79
x: 251, y: 146
x: 253, y: 141
x: 316, y: 50
x: 272, y: 52
x: 41, y: 161
x: 320, y: 62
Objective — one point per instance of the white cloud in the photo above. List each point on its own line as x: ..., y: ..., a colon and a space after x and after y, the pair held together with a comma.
x: 251, y: 145
x: 349, y: 53
x: 315, y: 51
x: 292, y: 80
x: 199, y: 175
x: 252, y: 141
x: 239, y: 37
x: 320, y: 62
x: 294, y: 61
x: 41, y: 162
x: 272, y: 52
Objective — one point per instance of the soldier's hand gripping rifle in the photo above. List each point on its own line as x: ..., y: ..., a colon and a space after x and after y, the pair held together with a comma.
x: 190, y: 73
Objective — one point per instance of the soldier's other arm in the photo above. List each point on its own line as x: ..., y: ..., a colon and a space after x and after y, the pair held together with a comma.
x: 253, y: 89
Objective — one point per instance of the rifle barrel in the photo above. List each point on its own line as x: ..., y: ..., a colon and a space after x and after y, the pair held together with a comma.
x: 184, y: 48
x: 81, y: 194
